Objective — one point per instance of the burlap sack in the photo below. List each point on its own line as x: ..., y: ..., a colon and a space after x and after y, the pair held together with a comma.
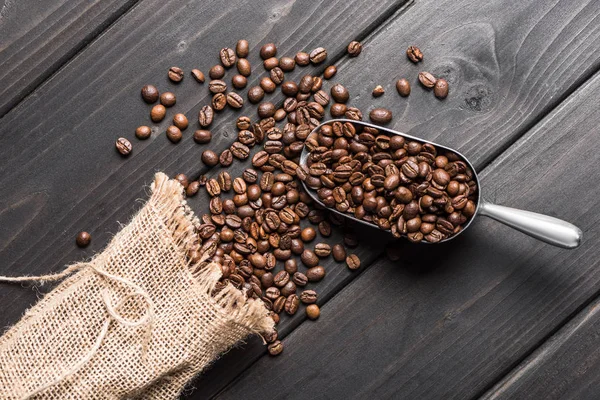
x: 138, y: 321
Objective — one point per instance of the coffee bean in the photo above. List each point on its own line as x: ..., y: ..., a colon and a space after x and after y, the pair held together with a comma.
x: 239, y: 150
x: 312, y: 311
x: 180, y: 121
x: 239, y: 81
x: 202, y: 136
x: 216, y: 72
x: 149, y: 94
x: 281, y: 279
x: 275, y: 348
x: 403, y: 87
x: 242, y: 48
x: 277, y: 75
x: 291, y: 304
x: 255, y: 94
x: 337, y: 110
x: 268, y: 50
x: 378, y: 91
x: 353, y: 261
x: 289, y: 289
x: 266, y: 109
x: 339, y: 252
x: 287, y: 64
x: 318, y: 55
x: 158, y: 113
x: 83, y: 239
x: 440, y: 90
x: 209, y: 158
x: 268, y: 85
x: 198, y: 75
x: 354, y: 48
x: 217, y: 86
x: 213, y: 188
x: 324, y: 228
x: 315, y: 274
x: 235, y: 100
x: 308, y: 297
x: 192, y: 188
x: 427, y: 79
x: 244, y: 67
x: 225, y: 158
x: 380, y: 115
x: 414, y: 54
x: 227, y: 56
x: 205, y: 116
x: 339, y: 93
x: 309, y: 258
x: 302, y: 58
x: 322, y: 250
x: 308, y: 234
x: 271, y: 63
x: 143, y: 132
x: 123, y: 146
x: 175, y: 74
x: 183, y: 179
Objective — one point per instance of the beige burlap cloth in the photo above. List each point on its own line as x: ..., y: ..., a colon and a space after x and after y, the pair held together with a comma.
x: 137, y: 321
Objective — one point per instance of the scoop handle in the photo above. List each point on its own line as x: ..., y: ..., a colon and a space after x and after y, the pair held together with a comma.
x: 543, y: 227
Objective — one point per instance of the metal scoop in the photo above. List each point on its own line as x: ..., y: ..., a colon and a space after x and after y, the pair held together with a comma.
x: 543, y: 227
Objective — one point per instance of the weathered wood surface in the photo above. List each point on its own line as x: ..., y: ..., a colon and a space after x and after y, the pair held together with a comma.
x: 448, y: 323
x: 38, y: 37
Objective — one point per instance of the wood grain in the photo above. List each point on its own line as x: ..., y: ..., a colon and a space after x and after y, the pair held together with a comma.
x: 38, y: 37
x: 448, y: 323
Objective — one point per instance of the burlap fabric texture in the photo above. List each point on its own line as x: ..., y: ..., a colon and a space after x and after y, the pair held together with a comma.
x: 137, y: 321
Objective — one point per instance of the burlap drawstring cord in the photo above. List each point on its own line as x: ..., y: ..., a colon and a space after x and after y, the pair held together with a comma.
x: 113, y: 314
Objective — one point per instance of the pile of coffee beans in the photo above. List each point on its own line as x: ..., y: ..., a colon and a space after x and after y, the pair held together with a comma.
x: 408, y: 187
x: 262, y: 227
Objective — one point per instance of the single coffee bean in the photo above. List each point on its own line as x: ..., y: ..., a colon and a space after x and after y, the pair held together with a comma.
x: 242, y: 48
x: 209, y: 158
x: 308, y: 234
x: 180, y: 121
x: 308, y: 297
x: 309, y: 258
x: 339, y: 252
x: 205, y: 116
x: 216, y: 72
x: 322, y: 250
x: 353, y: 261
x: 158, y: 113
x: 168, y: 99
x: 143, y: 132
x: 174, y: 134
x: 414, y: 54
x: 440, y: 90
x: 280, y: 115
x: 324, y: 228
x: 378, y: 91
x: 317, y: 84
x: 255, y: 94
x: 318, y: 55
x: 175, y: 74
x: 337, y: 110
x: 83, y: 239
x: 239, y: 81
x: 239, y: 150
x: 271, y: 63
x: 244, y: 67
x: 202, y: 136
x: 217, y: 86
x: 277, y: 75
x: 198, y: 75
x: 287, y: 64
x: 228, y: 57
x: 302, y: 58
x: 315, y: 274
x: 183, y: 179
x: 123, y: 146
x: 339, y: 93
x: 380, y: 115
x: 403, y: 87
x: 268, y: 50
x: 281, y: 279
x: 275, y: 348
x: 427, y: 79
x: 291, y: 304
x: 289, y: 88
x: 312, y: 311
x: 289, y: 289
x: 267, y: 84
x: 235, y: 100
x: 354, y: 48
x: 266, y: 109
x: 192, y: 188
x: 149, y: 94
x: 218, y: 102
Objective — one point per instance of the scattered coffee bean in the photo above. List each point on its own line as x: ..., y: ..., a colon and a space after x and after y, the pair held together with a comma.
x: 226, y: 158
x: 322, y: 250
x: 235, y: 100
x: 205, y: 116
x: 149, y: 94
x: 192, y: 188
x: 318, y: 55
x: 308, y: 297
x: 403, y: 87
x: 268, y: 85
x: 339, y: 252
x: 168, y: 99
x: 268, y: 50
x: 239, y: 81
x: 180, y: 121
x: 330, y: 72
x: 266, y: 109
x: 198, y: 75
x: 209, y: 158
x: 244, y: 67
x: 414, y: 54
x: 287, y: 64
x: 312, y: 311
x: 427, y: 79
x: 175, y: 74
x: 217, y: 86
x: 353, y: 261
x: 255, y: 94
x: 302, y: 59
x: 378, y: 91
x: 380, y: 115
x: 123, y: 146
x: 216, y: 72
x: 219, y: 101
x: 158, y: 113
x: 202, y: 136
x: 143, y: 132
x: 242, y: 48
x: 339, y: 93
x: 291, y: 304
x: 315, y: 274
x: 183, y: 179
x: 174, y: 134
x: 354, y: 48
x: 227, y: 57
x: 83, y: 239
x: 440, y: 90
x: 275, y: 348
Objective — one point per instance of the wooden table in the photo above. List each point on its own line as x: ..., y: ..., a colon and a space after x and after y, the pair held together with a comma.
x: 494, y: 315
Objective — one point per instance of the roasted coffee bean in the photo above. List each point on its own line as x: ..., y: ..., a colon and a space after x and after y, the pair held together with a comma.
x: 268, y: 50
x: 427, y: 79
x: 266, y: 109
x: 354, y: 48
x: 183, y: 179
x: 242, y: 48
x: 315, y: 274
x: 312, y: 311
x: 209, y: 158
x: 330, y: 72
x: 380, y: 115
x: 403, y: 87
x: 306, y: 84
x: 239, y: 81
x: 213, y: 188
x: 309, y: 258
x: 441, y: 89
x: 322, y: 250
x: 218, y: 102
x: 158, y: 113
x: 339, y: 93
x: 226, y: 158
x: 291, y: 304
x: 192, y: 188
x: 324, y: 228
x: 302, y: 58
x: 168, y: 99
x: 289, y: 289
x: 217, y: 86
x: 225, y: 181
x: 244, y: 67
x: 267, y: 84
x: 308, y: 297
x: 378, y: 91
x: 275, y: 348
x: 271, y: 63
x: 277, y: 75
x: 174, y: 134
x: 180, y: 121
x: 175, y: 74
x: 83, y: 239
x: 235, y: 100
x: 414, y: 54
x: 143, y: 132
x: 198, y: 75
x: 202, y: 136
x: 205, y: 116
x: 287, y: 64
x: 289, y: 88
x: 337, y: 110
x: 228, y: 57
x: 318, y: 55
x: 149, y: 94
x: 339, y: 252
x: 308, y: 234
x: 255, y: 94
x: 353, y: 261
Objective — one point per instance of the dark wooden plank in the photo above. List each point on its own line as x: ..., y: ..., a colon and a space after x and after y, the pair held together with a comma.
x: 564, y: 367
x: 38, y: 37
x: 59, y: 170
x: 447, y: 322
